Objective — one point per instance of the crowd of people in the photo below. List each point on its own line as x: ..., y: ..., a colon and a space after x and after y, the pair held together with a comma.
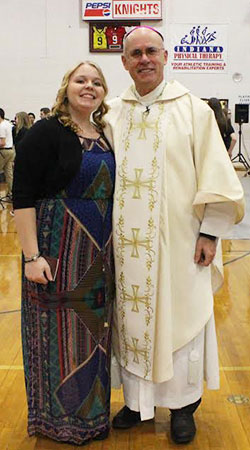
x: 151, y: 165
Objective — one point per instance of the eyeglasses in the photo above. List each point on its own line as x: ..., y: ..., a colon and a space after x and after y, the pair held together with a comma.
x: 150, y: 52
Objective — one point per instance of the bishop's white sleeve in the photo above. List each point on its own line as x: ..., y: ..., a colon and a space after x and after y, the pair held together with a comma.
x: 218, y: 218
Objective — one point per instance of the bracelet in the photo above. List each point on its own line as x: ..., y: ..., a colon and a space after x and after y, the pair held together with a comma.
x: 32, y: 258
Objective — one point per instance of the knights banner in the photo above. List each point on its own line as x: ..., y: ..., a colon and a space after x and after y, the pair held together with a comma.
x: 198, y: 48
x: 122, y: 10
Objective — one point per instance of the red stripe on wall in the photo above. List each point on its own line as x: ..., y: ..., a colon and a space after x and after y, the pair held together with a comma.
x: 93, y: 12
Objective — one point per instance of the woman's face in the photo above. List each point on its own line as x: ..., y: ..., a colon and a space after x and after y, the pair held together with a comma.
x: 85, y: 90
x: 31, y: 119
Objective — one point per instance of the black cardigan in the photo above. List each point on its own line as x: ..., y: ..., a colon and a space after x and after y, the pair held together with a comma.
x: 48, y: 157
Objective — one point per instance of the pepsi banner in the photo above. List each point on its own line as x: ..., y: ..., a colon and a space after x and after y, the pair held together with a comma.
x: 197, y: 48
x: 96, y: 10
x: 122, y: 10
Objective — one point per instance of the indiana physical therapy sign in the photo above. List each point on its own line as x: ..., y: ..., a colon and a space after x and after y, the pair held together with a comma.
x: 198, y: 48
x: 122, y: 10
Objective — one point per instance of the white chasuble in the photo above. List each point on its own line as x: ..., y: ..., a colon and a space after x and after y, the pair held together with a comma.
x: 170, y: 162
x: 136, y: 234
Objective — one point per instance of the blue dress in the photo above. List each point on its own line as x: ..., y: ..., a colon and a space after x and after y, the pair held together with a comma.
x: 66, y: 326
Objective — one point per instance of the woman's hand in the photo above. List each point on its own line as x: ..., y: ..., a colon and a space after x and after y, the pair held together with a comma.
x: 38, y: 271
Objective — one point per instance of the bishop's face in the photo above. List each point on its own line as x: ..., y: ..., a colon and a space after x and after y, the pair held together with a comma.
x: 144, y: 58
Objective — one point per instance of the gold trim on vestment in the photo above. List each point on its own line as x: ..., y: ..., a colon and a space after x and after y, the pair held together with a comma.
x: 138, y: 184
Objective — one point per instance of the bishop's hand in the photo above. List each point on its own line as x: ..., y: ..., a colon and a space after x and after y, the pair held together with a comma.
x: 204, y: 251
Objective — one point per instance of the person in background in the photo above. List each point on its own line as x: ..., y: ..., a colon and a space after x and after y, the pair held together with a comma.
x: 227, y: 112
x: 63, y: 197
x: 22, y: 126
x: 176, y: 191
x: 44, y: 113
x: 7, y: 153
x: 233, y: 136
x: 224, y: 124
x: 32, y: 118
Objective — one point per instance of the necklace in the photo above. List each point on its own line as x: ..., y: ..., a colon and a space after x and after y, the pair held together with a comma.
x: 148, y: 105
x: 91, y: 133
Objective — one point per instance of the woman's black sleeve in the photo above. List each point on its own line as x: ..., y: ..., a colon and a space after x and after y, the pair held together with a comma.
x: 32, y: 161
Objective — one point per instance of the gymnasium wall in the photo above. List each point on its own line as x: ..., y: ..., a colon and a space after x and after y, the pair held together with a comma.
x: 41, y: 39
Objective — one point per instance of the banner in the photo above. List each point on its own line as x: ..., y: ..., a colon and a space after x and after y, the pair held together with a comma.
x: 96, y: 10
x: 198, y: 48
x: 122, y: 10
x: 134, y: 9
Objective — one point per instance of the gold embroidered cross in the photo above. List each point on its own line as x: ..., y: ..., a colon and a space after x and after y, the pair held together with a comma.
x: 136, y: 351
x: 135, y: 243
x: 138, y: 183
x: 135, y: 298
x: 143, y: 125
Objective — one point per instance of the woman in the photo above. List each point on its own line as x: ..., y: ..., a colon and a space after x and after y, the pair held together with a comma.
x: 63, y: 188
x: 225, y: 126
x: 32, y: 118
x: 22, y: 126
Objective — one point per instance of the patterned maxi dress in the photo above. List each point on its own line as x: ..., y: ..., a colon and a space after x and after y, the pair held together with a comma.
x: 66, y: 325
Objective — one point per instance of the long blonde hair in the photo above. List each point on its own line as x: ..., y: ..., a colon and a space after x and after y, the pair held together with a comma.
x: 23, y: 121
x: 60, y: 108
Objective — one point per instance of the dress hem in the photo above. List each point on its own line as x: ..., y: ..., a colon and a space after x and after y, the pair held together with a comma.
x: 65, y: 433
